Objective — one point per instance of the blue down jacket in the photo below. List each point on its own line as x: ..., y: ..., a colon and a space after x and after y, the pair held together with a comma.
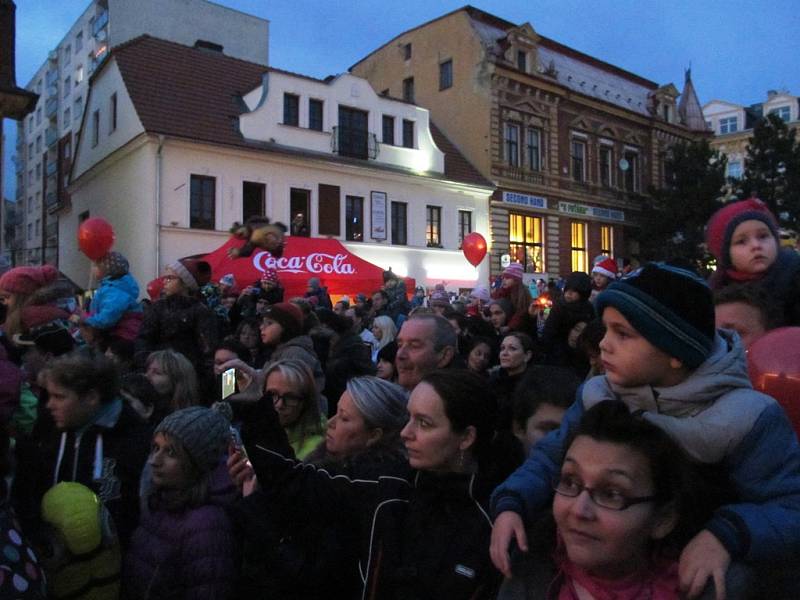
x: 718, y: 418
x: 114, y: 298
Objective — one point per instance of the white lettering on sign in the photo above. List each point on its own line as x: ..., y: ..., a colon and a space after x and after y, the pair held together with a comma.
x: 525, y: 199
x: 316, y: 263
x: 591, y: 211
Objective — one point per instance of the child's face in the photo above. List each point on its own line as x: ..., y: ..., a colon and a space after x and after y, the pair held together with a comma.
x: 479, y: 357
x: 546, y: 418
x: 575, y: 333
x: 97, y: 272
x: 169, y: 464
x: 571, y: 296
x: 630, y: 360
x: 600, y: 540
x: 159, y: 378
x: 385, y: 370
x: 753, y: 247
x: 600, y: 281
x: 745, y: 319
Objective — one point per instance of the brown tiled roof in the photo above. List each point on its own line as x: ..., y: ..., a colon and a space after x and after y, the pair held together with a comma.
x: 196, y: 94
x: 456, y: 166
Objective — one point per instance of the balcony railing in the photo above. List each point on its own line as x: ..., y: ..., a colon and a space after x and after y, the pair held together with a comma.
x: 520, y: 174
x: 51, y: 107
x: 100, y: 21
x: 355, y: 143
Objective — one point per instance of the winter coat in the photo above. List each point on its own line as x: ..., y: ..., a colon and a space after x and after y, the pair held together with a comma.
x: 313, y: 557
x: 23, y: 576
x: 112, y: 299
x: 183, y: 324
x: 553, y: 341
x: 188, y: 553
x: 107, y: 456
x: 10, y: 387
x: 504, y: 386
x: 782, y: 283
x: 426, y: 537
x: 718, y: 419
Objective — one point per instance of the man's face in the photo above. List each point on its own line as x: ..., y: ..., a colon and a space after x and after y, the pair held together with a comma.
x: 416, y: 355
x: 378, y: 301
x: 68, y: 409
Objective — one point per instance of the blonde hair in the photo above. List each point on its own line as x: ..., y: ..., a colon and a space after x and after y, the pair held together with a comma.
x: 181, y: 374
x: 387, y: 326
x: 299, y: 377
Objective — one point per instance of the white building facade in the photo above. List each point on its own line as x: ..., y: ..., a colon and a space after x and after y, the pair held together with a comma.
x: 45, y: 139
x: 330, y: 158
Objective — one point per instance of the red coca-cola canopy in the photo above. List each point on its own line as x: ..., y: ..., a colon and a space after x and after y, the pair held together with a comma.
x: 338, y: 269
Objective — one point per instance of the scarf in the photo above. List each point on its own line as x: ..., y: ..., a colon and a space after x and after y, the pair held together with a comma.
x: 658, y: 582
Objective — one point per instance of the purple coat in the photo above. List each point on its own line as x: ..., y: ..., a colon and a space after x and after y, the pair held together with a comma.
x: 188, y: 554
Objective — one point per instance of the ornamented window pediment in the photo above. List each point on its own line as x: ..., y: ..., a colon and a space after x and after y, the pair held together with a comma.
x: 581, y: 124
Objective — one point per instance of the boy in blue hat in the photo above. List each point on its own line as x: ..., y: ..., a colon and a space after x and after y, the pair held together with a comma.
x: 666, y: 361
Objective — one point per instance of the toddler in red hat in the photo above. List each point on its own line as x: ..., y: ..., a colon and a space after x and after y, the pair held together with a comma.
x: 743, y: 236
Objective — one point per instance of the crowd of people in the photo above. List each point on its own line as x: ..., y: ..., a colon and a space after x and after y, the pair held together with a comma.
x: 593, y: 438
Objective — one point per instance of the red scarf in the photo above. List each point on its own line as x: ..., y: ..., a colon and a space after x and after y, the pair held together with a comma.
x: 741, y: 276
x: 658, y: 582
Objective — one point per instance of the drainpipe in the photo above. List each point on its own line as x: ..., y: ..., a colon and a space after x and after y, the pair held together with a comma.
x: 157, y: 197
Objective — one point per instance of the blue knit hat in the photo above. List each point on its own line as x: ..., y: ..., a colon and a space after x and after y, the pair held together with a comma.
x: 671, y: 307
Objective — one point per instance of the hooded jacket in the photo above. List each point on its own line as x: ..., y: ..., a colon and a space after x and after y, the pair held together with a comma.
x: 301, y: 348
x: 114, y: 298
x: 717, y: 418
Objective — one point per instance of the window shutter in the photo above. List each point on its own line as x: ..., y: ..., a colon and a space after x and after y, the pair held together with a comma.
x: 329, y: 210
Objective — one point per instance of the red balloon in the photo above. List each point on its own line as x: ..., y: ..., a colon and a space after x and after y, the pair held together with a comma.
x: 474, y: 248
x: 154, y: 288
x: 95, y: 237
x: 774, y: 364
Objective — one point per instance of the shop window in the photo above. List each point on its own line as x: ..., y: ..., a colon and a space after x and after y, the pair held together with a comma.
x: 526, y: 241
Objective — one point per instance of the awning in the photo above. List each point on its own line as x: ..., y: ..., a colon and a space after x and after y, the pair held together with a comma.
x: 338, y: 269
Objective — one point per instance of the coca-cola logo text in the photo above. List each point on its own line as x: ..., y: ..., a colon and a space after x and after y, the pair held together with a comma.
x: 316, y: 263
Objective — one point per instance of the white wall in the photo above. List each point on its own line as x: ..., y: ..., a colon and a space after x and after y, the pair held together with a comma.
x: 122, y: 191
x: 265, y: 122
x: 109, y: 82
x: 186, y: 21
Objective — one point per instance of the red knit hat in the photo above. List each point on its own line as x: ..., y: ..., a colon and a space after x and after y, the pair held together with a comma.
x: 724, y: 222
x: 287, y: 315
x: 26, y: 280
x: 607, y: 267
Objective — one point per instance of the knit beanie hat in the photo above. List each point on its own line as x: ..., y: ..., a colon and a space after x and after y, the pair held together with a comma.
x: 480, y: 292
x: 270, y: 275
x: 228, y: 280
x: 514, y: 271
x: 288, y: 316
x: 113, y: 265
x: 201, y: 431
x: 607, y: 267
x: 724, y: 222
x: 380, y: 402
x: 26, y: 280
x: 671, y: 307
x: 187, y: 270
x: 579, y: 282
x: 440, y: 298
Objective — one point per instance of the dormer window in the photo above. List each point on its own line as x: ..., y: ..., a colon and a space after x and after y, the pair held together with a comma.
x: 522, y: 61
x: 728, y: 125
x: 782, y: 112
x: 665, y: 112
x: 291, y: 109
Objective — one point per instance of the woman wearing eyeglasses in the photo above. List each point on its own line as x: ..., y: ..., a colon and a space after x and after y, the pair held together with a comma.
x: 289, y: 385
x: 626, y: 501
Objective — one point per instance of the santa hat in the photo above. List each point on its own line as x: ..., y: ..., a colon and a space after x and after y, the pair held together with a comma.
x: 188, y: 271
x: 607, y: 267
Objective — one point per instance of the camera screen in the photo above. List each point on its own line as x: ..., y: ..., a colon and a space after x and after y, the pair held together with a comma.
x: 228, y: 383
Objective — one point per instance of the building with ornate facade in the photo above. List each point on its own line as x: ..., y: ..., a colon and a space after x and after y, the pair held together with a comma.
x: 571, y: 142
x: 733, y: 124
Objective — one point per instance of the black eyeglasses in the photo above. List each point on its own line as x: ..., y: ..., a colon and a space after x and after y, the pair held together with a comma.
x: 609, y: 498
x: 289, y: 400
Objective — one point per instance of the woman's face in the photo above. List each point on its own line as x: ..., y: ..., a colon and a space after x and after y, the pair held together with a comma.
x: 601, y: 540
x: 431, y: 443
x: 347, y: 430
x: 513, y: 357
x: 575, y: 333
x: 9, y: 299
x: 479, y: 357
x: 377, y: 332
x: 222, y: 356
x: 271, y: 332
x: 249, y: 337
x: 173, y: 285
x: 159, y: 378
x: 497, y: 316
x: 169, y: 464
x: 386, y: 370
x: 287, y: 402
x: 509, y: 282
